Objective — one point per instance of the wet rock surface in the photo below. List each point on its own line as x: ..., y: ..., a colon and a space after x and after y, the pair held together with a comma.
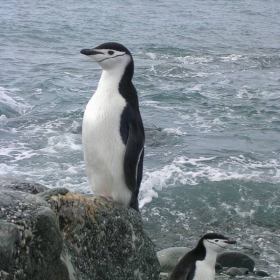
x: 30, y: 239
x: 236, y: 259
x: 261, y: 273
x: 169, y: 257
x: 104, y: 240
x: 234, y: 271
x: 28, y: 187
x: 60, y: 235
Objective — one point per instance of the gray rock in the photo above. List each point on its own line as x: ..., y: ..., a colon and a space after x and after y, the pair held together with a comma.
x: 28, y: 187
x: 105, y: 240
x: 247, y: 246
x: 163, y: 276
x: 222, y: 277
x: 169, y: 257
x: 4, y: 275
x: 235, y: 259
x: 234, y: 271
x: 46, y: 195
x: 71, y: 237
x: 34, y: 250
x: 244, y: 270
x: 218, y: 267
x: 256, y: 253
x: 9, y: 235
x: 261, y: 273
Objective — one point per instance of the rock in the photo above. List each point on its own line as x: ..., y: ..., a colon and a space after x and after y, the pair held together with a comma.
x: 235, y: 259
x: 105, y: 240
x: 169, y: 257
x: 218, y: 267
x: 4, y: 275
x: 46, y: 195
x: 261, y: 273
x: 163, y: 276
x: 234, y: 271
x: 247, y: 246
x: 9, y: 235
x: 70, y: 237
x: 244, y: 270
x: 222, y: 277
x: 28, y: 187
x: 34, y: 250
x: 256, y: 253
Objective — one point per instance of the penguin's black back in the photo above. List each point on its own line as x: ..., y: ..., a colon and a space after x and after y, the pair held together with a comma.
x: 185, y: 269
x: 131, y: 118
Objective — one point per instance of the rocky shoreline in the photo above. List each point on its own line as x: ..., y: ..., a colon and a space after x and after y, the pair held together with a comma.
x: 55, y: 234
x: 59, y: 235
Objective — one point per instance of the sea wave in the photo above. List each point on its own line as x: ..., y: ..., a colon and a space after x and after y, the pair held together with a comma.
x: 193, y: 171
x: 9, y: 98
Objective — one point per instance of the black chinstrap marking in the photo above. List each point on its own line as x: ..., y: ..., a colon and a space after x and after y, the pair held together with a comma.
x: 216, y: 244
x: 111, y: 57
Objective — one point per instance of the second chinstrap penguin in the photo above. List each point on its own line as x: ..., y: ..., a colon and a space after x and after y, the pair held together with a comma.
x: 199, y: 263
x: 113, y: 133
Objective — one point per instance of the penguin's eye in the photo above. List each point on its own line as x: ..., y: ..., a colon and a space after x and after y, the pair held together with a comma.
x: 110, y: 52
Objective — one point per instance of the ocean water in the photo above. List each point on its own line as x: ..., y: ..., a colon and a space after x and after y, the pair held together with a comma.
x: 208, y: 79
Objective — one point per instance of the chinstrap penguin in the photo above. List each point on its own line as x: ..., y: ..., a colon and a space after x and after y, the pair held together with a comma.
x: 113, y: 133
x: 199, y: 263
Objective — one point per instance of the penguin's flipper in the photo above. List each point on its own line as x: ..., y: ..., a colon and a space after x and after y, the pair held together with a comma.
x: 180, y: 275
x: 133, y: 156
x: 184, y: 270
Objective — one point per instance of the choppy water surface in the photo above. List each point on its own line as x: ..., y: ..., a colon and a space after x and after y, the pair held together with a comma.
x: 208, y: 78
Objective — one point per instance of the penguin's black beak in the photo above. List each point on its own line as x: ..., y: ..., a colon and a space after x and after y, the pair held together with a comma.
x: 90, y: 52
x: 230, y: 241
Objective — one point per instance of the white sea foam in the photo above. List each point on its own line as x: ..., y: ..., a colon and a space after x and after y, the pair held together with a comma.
x: 16, y: 102
x: 244, y: 93
x: 195, y: 88
x: 203, y: 123
x: 6, y: 169
x: 232, y: 57
x: 244, y: 214
x: 270, y: 95
x: 51, y: 174
x: 201, y: 74
x: 68, y: 141
x: 195, y: 59
x: 24, y: 155
x: 65, y: 141
x: 190, y: 171
x: 248, y: 93
x: 153, y: 56
x: 174, y: 131
x: 17, y: 152
x: 157, y: 104
x: 3, y: 119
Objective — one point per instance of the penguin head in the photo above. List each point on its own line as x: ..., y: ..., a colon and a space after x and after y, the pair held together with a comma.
x: 214, y: 242
x: 110, y: 56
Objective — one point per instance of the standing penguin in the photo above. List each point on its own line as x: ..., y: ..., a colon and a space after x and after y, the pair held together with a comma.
x: 113, y: 133
x: 199, y: 263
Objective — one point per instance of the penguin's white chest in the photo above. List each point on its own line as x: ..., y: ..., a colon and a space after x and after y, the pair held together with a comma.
x: 204, y: 271
x: 103, y: 147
